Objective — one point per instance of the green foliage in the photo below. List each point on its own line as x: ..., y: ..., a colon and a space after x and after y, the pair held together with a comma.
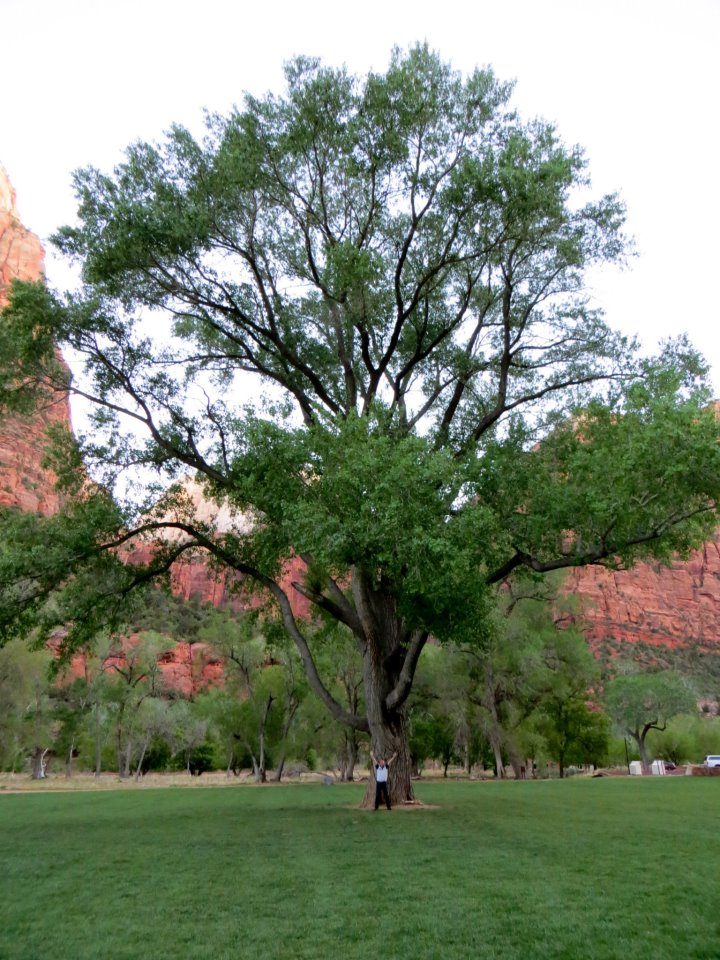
x: 575, y: 734
x: 27, y: 342
x: 157, y: 757
x: 641, y: 702
x: 26, y: 720
x: 432, y: 736
x: 201, y: 759
x: 181, y: 619
x: 687, y: 738
x: 647, y: 699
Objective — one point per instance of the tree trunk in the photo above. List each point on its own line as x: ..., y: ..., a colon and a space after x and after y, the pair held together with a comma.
x: 349, y: 757
x: 386, y: 643
x: 125, y: 762
x: 290, y: 710
x: 123, y: 747
x: 69, y: 759
x: 38, y: 763
x: 98, y: 744
x: 138, y: 770
x: 260, y: 771
x: 497, y: 753
x: 389, y: 738
x: 644, y: 755
x: 124, y: 754
x: 390, y: 651
x: 517, y: 763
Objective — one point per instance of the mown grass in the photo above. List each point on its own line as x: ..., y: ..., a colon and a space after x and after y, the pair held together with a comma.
x: 579, y: 869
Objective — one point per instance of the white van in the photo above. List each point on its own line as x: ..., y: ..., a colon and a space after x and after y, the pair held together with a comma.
x: 713, y: 760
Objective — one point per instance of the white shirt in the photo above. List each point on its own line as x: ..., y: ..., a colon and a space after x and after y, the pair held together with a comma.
x: 381, y: 774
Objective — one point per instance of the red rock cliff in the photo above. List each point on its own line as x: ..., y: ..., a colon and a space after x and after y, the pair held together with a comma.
x: 671, y: 606
x: 23, y: 481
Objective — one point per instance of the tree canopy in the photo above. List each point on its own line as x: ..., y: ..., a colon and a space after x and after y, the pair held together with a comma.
x: 641, y: 702
x: 357, y: 312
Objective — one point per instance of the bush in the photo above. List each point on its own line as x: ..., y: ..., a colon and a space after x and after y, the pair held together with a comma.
x: 157, y: 757
x: 202, y: 759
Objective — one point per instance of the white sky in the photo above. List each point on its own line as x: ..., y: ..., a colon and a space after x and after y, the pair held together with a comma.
x: 635, y: 82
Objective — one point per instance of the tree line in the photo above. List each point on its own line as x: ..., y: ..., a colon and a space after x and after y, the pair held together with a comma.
x: 531, y: 699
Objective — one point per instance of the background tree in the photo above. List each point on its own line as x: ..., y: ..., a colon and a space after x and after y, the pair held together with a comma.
x: 432, y: 735
x: 639, y: 703
x: 151, y: 721
x: 223, y: 711
x: 134, y: 677
x: 574, y: 733
x: 25, y: 715
x: 340, y: 664
x: 532, y: 663
x: 400, y: 261
x: 72, y: 703
x: 95, y: 657
x: 257, y: 681
x: 687, y: 738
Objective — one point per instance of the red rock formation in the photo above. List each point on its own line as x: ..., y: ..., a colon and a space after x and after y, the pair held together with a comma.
x: 21, y: 254
x: 23, y: 481
x: 195, y: 578
x: 189, y: 668
x: 186, y: 668
x: 671, y: 606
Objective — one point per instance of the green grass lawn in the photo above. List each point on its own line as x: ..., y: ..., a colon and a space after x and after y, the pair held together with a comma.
x: 611, y: 868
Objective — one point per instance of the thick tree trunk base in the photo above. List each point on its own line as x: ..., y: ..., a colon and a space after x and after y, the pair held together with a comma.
x: 399, y: 785
x: 414, y: 804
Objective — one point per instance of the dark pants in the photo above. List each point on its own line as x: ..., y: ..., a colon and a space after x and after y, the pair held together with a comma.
x: 381, y: 790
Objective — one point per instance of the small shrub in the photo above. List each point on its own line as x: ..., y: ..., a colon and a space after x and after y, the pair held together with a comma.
x: 201, y: 759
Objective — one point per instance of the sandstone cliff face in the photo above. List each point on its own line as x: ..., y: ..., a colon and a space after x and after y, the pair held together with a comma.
x: 186, y: 668
x: 23, y: 481
x: 21, y: 254
x: 672, y: 606
x: 196, y: 579
x: 25, y: 485
x: 190, y: 668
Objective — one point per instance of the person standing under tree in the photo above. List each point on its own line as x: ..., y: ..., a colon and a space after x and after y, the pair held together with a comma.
x: 381, y: 779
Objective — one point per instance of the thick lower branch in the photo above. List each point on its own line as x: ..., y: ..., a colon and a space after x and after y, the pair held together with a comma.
x: 523, y: 559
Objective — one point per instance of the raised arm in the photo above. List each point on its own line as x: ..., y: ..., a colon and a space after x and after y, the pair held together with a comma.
x: 393, y: 757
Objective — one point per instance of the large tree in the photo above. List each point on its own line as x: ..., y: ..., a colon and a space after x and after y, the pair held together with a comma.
x: 356, y: 313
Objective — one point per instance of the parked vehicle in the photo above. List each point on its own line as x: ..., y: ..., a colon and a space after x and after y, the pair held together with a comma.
x: 712, y: 760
